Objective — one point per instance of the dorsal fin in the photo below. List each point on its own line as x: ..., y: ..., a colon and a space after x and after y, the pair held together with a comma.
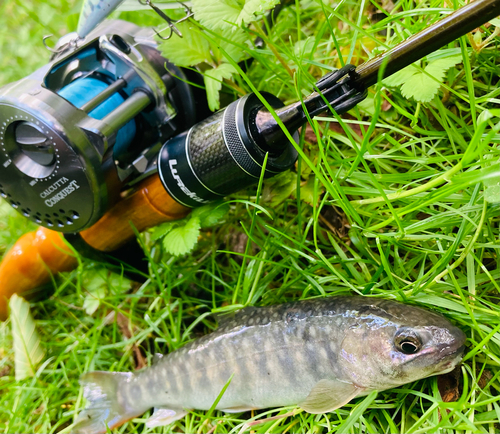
x: 156, y: 358
x: 236, y: 318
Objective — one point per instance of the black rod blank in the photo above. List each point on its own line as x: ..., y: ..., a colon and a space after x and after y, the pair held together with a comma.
x: 441, y: 33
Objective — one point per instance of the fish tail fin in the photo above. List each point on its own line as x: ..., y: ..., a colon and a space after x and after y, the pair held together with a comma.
x: 104, y: 410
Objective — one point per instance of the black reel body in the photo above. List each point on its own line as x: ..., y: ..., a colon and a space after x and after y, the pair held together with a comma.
x: 76, y: 131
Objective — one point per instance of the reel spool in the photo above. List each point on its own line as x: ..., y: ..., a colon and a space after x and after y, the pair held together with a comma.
x: 91, y: 121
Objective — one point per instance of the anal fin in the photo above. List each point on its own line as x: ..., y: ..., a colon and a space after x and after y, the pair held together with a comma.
x: 165, y: 416
x: 328, y: 395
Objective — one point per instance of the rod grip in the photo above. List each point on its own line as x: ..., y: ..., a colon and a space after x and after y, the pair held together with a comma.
x: 31, y: 262
x: 219, y: 155
x: 146, y: 207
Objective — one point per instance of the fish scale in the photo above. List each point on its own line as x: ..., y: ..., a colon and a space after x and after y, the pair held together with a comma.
x: 281, y: 361
x: 318, y: 354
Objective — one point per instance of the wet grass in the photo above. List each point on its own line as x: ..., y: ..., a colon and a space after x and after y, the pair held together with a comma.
x: 388, y: 201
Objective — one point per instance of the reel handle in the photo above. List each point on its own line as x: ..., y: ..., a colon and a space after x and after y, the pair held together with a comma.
x: 39, y: 255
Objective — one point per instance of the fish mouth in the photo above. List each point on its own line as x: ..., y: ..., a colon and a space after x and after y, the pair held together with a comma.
x: 449, y: 362
x: 452, y: 352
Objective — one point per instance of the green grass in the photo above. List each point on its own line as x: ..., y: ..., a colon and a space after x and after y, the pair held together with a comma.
x: 388, y: 201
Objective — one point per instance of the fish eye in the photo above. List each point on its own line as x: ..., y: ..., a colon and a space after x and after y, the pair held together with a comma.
x: 408, y: 343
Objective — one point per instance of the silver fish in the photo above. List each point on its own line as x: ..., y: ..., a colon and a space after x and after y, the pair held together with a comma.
x: 317, y: 354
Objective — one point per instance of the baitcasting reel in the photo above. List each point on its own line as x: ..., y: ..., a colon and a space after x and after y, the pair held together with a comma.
x: 73, y: 133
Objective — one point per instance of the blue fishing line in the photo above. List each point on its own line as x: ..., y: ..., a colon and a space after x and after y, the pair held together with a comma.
x: 82, y: 90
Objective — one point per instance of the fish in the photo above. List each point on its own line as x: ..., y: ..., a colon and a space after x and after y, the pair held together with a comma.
x: 317, y: 354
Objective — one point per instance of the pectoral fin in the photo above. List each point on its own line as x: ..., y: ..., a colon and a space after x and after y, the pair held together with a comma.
x: 328, y: 395
x: 237, y: 409
x: 165, y: 416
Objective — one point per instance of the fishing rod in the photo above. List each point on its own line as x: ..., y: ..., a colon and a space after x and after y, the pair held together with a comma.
x: 212, y: 158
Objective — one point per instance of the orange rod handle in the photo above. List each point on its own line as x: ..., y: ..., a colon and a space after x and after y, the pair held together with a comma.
x: 144, y: 208
x: 38, y: 255
x: 30, y: 263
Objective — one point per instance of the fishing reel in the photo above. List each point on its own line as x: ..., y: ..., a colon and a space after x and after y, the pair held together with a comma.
x: 77, y: 131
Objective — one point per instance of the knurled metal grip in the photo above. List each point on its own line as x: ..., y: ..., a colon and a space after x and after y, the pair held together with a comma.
x: 218, y: 156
